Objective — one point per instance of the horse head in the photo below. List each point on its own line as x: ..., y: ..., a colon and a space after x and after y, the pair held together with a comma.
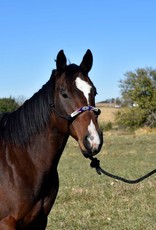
x: 74, y: 103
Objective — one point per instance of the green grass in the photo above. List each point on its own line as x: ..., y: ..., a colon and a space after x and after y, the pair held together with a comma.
x: 88, y: 201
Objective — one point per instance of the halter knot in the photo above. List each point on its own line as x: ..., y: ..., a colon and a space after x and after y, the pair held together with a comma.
x: 95, y: 163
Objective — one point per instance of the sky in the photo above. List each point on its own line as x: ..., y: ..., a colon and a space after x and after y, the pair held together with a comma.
x: 120, y: 33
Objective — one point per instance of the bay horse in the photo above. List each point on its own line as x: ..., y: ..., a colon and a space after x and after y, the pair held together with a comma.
x: 33, y: 137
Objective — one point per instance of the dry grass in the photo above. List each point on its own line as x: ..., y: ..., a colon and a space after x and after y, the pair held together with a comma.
x: 107, y: 113
x: 145, y: 130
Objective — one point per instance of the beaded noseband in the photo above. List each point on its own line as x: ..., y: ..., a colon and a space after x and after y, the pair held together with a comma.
x: 77, y: 112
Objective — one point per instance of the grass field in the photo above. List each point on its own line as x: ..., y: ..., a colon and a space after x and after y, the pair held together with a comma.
x: 88, y: 201
x: 107, y: 113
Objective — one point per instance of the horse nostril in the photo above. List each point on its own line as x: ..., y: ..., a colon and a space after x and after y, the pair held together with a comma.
x: 91, y: 138
x: 92, y: 143
x: 87, y: 143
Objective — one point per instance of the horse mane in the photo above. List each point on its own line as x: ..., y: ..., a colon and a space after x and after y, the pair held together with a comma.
x: 18, y: 126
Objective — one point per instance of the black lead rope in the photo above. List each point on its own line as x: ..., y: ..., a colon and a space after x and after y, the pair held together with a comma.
x: 95, y: 163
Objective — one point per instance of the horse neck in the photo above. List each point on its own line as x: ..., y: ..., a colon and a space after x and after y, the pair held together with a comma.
x: 47, y: 147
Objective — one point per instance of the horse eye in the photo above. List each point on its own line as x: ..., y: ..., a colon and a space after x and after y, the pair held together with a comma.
x: 64, y: 94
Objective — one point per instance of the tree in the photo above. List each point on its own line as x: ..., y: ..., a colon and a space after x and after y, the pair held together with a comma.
x: 139, y: 88
x: 8, y: 104
x: 118, y: 101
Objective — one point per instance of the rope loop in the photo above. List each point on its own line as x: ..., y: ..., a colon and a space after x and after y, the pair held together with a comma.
x: 95, y: 163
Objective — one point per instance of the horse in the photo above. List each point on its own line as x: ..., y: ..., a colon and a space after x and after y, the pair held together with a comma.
x: 33, y: 137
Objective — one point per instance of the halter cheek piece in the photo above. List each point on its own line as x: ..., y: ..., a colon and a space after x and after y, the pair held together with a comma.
x: 77, y: 112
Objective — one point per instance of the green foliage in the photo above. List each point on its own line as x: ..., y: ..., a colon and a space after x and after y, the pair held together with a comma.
x: 118, y: 101
x: 138, y: 88
x: 131, y: 118
x: 8, y: 104
x: 151, y: 120
x: 105, y: 126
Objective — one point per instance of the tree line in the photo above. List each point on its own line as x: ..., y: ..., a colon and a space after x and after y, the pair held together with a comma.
x: 8, y: 105
x: 138, y: 99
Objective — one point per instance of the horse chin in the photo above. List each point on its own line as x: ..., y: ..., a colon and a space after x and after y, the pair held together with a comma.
x: 88, y: 154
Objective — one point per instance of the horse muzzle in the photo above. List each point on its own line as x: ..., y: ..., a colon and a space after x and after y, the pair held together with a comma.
x: 92, y: 144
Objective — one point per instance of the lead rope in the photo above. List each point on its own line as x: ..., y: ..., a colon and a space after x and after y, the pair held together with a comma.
x: 95, y: 163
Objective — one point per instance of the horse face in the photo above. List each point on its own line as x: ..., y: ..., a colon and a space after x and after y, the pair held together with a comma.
x: 74, y: 90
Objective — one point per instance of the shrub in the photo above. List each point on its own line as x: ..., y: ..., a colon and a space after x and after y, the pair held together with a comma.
x: 8, y: 104
x: 131, y: 118
x: 151, y: 120
x: 105, y: 126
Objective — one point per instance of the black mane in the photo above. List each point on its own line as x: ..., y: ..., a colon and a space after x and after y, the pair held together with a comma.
x: 17, y: 127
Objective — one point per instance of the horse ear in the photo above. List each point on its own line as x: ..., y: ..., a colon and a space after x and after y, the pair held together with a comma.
x: 87, y: 61
x: 61, y: 61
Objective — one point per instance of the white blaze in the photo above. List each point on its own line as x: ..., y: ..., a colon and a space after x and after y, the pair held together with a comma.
x: 93, y: 137
x: 84, y: 87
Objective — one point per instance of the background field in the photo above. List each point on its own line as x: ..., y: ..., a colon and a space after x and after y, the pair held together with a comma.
x: 87, y: 201
x: 107, y: 112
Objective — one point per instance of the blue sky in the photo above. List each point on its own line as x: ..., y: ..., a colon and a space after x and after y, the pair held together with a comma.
x: 120, y: 33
